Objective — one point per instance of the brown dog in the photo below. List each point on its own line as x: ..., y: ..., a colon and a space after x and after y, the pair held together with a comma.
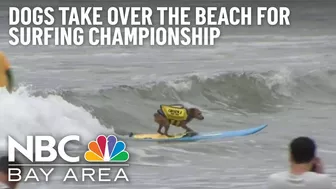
x: 176, y: 115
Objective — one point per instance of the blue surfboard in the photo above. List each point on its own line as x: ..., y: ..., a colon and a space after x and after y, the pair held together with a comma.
x: 199, y: 136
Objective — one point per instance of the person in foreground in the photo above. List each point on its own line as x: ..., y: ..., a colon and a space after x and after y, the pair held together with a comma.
x: 306, y: 170
x: 6, y: 75
x: 176, y: 115
x: 4, y: 165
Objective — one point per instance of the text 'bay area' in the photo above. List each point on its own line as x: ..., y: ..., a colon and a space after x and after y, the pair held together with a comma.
x: 142, y: 16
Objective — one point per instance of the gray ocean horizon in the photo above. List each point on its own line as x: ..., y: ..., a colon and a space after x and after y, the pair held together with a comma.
x: 280, y: 76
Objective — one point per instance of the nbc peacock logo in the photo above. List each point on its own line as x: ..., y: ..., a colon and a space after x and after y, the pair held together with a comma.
x: 106, y: 149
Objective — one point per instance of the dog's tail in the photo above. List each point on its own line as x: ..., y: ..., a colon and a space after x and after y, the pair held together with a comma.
x: 123, y: 133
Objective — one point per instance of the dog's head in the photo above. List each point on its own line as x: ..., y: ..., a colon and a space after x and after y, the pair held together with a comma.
x: 196, y: 113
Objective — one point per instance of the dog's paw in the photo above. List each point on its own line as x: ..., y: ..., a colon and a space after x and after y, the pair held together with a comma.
x: 192, y: 133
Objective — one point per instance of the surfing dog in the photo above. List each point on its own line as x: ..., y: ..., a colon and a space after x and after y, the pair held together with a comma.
x: 176, y: 115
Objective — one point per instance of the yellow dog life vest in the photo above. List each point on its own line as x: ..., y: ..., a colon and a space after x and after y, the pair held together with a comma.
x: 175, y: 114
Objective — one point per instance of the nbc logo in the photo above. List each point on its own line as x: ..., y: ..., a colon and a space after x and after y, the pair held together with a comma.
x: 103, y: 149
x: 106, y: 149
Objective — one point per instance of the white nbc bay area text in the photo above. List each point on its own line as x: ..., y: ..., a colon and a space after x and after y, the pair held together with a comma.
x: 82, y: 175
x: 42, y: 167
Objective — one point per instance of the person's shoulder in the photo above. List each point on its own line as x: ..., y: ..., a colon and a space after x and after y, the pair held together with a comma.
x: 317, y: 175
x: 319, y: 180
x: 326, y: 181
x: 278, y: 175
x: 321, y: 177
x: 277, y: 180
x: 282, y: 179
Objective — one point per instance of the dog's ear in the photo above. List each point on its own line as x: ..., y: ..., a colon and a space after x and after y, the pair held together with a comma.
x: 192, y: 111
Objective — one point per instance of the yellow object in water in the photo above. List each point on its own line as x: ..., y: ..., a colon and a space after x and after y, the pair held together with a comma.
x: 4, y: 66
x: 177, y: 113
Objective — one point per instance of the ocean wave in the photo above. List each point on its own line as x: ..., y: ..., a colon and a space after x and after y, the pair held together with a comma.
x: 23, y: 114
x: 248, y: 91
x: 130, y: 107
x: 235, y: 87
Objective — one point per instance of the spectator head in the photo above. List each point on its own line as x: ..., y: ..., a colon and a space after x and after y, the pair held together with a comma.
x: 4, y: 165
x: 302, y: 150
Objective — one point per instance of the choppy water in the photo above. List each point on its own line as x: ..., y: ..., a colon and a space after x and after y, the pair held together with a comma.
x: 280, y: 76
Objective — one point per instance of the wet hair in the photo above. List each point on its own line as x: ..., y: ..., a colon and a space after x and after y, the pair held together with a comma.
x: 302, y: 150
x: 192, y: 111
x: 4, y: 164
